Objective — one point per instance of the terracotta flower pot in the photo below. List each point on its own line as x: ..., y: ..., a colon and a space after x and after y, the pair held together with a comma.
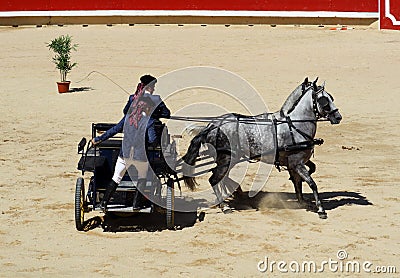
x: 63, y: 87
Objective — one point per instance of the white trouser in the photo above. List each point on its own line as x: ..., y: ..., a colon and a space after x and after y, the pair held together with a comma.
x: 121, y: 166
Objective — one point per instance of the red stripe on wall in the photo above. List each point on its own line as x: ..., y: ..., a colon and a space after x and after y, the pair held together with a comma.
x: 247, y: 5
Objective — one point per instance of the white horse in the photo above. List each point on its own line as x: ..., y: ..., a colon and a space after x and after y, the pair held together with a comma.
x: 284, y: 138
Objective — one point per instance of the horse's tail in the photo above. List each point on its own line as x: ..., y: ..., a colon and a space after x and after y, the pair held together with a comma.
x: 190, y: 157
x: 194, y: 129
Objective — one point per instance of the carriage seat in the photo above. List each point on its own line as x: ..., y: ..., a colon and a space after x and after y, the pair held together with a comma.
x: 99, y: 166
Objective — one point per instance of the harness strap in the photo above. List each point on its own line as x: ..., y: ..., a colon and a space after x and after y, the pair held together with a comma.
x: 290, y: 124
x: 276, y: 159
x: 238, y: 147
x: 234, y: 150
x: 293, y: 127
x: 302, y: 133
x: 298, y: 147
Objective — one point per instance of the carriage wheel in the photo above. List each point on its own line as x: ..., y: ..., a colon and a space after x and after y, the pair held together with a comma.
x: 170, y: 203
x: 79, y: 204
x: 157, y: 190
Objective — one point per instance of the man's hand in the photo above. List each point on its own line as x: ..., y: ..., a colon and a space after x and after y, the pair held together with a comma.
x: 94, y: 143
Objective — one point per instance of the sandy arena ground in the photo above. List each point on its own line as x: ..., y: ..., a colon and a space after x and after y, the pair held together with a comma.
x: 357, y: 167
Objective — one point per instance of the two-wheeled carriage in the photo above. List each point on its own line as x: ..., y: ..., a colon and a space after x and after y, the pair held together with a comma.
x: 99, y: 160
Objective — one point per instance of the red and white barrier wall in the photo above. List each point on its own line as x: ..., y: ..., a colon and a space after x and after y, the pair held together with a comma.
x: 266, y: 5
x: 365, y: 9
x: 389, y: 14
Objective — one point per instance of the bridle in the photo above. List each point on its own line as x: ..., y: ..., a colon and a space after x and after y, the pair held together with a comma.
x: 305, y: 87
x: 323, y: 103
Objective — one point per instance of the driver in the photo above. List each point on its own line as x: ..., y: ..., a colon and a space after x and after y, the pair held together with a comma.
x: 147, y: 86
x: 143, y: 94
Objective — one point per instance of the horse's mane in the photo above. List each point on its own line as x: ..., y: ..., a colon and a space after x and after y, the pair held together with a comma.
x: 292, y: 98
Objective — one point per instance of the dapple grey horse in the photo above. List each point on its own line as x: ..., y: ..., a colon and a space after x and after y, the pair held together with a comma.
x: 284, y: 138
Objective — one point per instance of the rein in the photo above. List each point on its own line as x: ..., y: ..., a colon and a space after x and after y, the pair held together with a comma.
x: 268, y: 119
x: 241, y: 120
x: 257, y: 120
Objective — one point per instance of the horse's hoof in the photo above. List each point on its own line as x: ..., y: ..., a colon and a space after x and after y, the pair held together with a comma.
x: 322, y: 215
x: 226, y: 209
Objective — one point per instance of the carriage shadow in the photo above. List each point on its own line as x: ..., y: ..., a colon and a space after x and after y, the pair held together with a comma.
x: 285, y: 200
x: 150, y: 222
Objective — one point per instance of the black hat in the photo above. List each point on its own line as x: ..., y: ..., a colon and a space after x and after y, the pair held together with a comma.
x: 146, y: 79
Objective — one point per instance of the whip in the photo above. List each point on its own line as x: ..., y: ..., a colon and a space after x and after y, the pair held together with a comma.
x: 102, y: 74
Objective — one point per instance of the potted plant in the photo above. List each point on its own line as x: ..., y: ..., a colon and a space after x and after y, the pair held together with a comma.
x: 62, y: 47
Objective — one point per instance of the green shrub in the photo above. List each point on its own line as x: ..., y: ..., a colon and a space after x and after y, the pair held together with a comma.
x: 62, y: 47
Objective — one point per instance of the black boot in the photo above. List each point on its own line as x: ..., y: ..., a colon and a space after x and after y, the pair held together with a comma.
x: 111, y: 188
x: 140, y: 201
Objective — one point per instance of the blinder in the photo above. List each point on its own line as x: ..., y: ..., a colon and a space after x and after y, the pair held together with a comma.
x: 324, y: 103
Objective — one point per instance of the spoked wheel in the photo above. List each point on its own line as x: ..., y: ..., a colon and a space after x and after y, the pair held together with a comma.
x: 170, y: 203
x: 79, y: 204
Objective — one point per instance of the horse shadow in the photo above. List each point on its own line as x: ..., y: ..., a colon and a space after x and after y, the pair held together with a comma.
x: 285, y: 200
x: 152, y: 222
x: 337, y: 199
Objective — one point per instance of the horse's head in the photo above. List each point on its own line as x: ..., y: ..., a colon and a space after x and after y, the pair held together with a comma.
x: 323, y: 104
